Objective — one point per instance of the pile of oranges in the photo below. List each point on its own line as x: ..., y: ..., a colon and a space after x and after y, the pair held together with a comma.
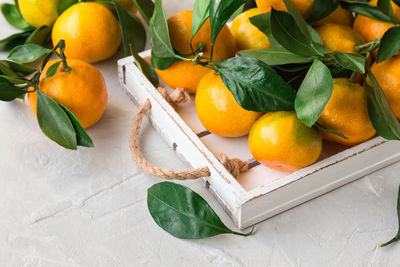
x: 279, y: 139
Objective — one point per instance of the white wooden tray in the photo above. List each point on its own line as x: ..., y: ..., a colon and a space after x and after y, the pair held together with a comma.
x: 261, y: 192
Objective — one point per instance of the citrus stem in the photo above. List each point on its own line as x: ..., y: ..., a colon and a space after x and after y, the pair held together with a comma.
x: 373, y: 44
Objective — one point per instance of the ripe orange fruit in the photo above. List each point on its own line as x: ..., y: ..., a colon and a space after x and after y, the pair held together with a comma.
x: 247, y: 35
x: 387, y: 74
x: 184, y: 74
x: 83, y: 90
x: 304, y: 6
x: 346, y: 112
x: 339, y: 38
x: 128, y: 5
x: 39, y: 12
x: 279, y: 140
x: 370, y: 28
x: 218, y: 110
x: 91, y: 32
x: 339, y: 16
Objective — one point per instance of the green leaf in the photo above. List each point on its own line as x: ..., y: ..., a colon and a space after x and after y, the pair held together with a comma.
x: 146, y: 9
x: 263, y: 23
x: 300, y: 22
x: 28, y: 53
x: 14, y: 40
x: 52, y: 70
x: 39, y: 35
x: 159, y: 35
x: 183, y: 213
x: 15, y: 80
x: 323, y: 128
x: 275, y: 56
x: 9, y: 92
x: 201, y: 11
x: 220, y: 13
x: 82, y: 138
x: 366, y: 9
x: 133, y: 31
x: 390, y: 44
x: 380, y: 112
x: 13, y: 16
x: 255, y: 85
x: 54, y: 122
x: 145, y: 68
x: 288, y: 34
x: 386, y: 7
x: 314, y: 93
x: 397, y: 237
x: 162, y: 63
x: 352, y: 62
x: 15, y: 67
x: 65, y: 4
x: 321, y: 9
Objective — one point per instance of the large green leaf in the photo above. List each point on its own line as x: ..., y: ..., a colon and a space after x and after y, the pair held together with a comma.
x: 220, y: 13
x: 366, y: 9
x: 13, y: 16
x: 162, y: 63
x: 82, y: 138
x: 9, y: 92
x: 300, y: 22
x: 352, y: 62
x: 285, y: 30
x: 201, y: 11
x: 54, y: 122
x: 255, y: 85
x: 397, y: 237
x: 314, y: 93
x: 321, y: 9
x: 183, y: 213
x: 159, y: 35
x: 390, y: 44
x: 133, y: 32
x: 380, y: 111
x: 275, y: 56
x: 146, y: 9
x: 28, y: 53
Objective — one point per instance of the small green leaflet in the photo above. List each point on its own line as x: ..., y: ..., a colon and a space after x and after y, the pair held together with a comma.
x: 380, y: 111
x: 263, y: 23
x: 352, y: 62
x: 314, y: 93
x: 13, y: 16
x: 183, y: 213
x: 254, y: 85
x: 14, y: 40
x: 38, y: 36
x: 55, y: 123
x: 145, y: 68
x: 300, y: 22
x: 65, y: 4
x: 397, y: 237
x: 28, y: 53
x: 386, y: 7
x: 390, y: 44
x: 275, y: 56
x: 323, y: 128
x: 52, y: 70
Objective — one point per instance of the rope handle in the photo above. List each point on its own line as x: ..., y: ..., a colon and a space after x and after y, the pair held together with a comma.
x: 234, y: 166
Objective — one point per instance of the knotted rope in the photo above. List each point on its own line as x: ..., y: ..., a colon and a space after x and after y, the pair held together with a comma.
x: 234, y: 166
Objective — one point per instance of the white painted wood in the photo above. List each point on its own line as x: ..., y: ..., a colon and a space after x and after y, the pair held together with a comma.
x: 247, y: 207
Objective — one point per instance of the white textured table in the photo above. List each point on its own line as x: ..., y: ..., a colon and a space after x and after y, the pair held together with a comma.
x: 88, y: 208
